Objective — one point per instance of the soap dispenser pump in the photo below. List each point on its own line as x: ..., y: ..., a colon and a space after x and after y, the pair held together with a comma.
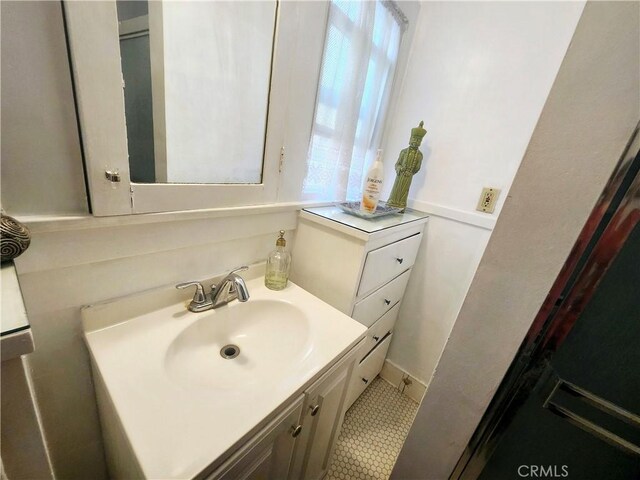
x: 278, y: 263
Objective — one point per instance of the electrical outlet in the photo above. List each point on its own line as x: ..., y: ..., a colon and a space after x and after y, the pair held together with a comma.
x: 488, y: 199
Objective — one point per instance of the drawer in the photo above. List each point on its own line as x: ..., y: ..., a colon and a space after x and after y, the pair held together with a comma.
x: 366, y: 371
x: 387, y: 262
x: 370, y: 309
x: 379, y: 330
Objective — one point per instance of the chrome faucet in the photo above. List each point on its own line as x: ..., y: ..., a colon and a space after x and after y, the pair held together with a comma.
x: 232, y: 286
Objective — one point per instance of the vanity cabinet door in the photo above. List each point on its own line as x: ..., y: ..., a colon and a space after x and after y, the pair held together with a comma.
x: 268, y: 455
x: 322, y: 420
x: 325, y: 427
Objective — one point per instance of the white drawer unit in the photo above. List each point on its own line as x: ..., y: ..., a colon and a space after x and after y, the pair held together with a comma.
x: 362, y: 268
x: 388, y: 262
x: 379, y: 330
x: 367, y: 369
x: 371, y: 308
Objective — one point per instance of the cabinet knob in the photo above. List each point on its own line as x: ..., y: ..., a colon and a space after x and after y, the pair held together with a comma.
x: 400, y: 260
x: 376, y: 338
x: 365, y: 380
x: 387, y: 301
x: 314, y: 409
x: 295, y: 431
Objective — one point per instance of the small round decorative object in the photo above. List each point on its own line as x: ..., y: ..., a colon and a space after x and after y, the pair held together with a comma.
x: 14, y: 238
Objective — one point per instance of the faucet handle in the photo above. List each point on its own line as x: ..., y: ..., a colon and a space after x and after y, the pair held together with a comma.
x: 239, y: 269
x: 199, y: 296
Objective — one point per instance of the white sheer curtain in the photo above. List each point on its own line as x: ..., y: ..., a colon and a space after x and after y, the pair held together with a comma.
x: 358, y: 66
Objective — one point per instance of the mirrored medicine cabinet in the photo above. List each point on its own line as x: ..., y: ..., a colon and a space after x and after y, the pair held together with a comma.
x: 185, y: 105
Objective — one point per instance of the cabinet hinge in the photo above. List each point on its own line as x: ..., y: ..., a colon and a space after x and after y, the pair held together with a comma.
x: 281, y: 159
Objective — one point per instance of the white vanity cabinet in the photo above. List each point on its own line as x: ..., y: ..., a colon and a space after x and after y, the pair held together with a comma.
x: 173, y: 406
x: 268, y: 454
x: 323, y: 412
x: 361, y: 267
x: 299, y: 442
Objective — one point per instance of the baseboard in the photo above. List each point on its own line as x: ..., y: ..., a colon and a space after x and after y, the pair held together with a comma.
x: 394, y: 375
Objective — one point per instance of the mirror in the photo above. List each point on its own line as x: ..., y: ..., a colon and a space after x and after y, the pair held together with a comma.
x: 196, y: 89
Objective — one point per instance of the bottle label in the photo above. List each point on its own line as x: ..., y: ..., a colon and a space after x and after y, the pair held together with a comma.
x: 371, y: 194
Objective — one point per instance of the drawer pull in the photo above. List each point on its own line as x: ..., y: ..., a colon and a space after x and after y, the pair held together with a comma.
x: 387, y: 302
x: 365, y: 380
x: 314, y: 409
x: 295, y: 431
x: 376, y: 338
x: 400, y: 260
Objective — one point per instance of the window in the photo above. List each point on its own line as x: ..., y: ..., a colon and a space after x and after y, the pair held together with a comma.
x: 358, y: 67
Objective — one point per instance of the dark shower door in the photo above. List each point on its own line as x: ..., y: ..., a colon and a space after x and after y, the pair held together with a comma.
x: 570, y: 405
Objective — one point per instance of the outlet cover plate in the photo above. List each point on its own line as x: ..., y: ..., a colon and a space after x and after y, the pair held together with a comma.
x: 488, y: 199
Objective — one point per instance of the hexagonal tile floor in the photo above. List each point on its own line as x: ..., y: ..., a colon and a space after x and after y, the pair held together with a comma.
x: 372, y: 435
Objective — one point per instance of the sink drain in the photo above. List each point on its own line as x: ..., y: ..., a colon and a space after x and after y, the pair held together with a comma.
x: 230, y: 351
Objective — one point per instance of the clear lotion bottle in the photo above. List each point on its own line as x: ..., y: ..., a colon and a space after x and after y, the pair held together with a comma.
x: 278, y: 263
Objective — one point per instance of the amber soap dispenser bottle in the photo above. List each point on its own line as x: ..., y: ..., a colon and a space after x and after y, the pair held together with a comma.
x: 278, y: 263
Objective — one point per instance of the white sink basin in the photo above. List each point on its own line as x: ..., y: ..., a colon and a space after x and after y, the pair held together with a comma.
x: 166, y: 392
x: 264, y: 337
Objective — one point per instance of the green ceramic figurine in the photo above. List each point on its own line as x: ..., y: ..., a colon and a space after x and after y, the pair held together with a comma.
x: 408, y: 164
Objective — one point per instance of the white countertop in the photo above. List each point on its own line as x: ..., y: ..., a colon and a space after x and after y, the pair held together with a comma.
x: 13, y: 313
x: 177, y: 431
x: 16, y: 338
x: 335, y: 217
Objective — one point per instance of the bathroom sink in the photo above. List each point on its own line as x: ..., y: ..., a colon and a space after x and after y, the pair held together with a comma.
x: 182, y: 390
x: 240, y: 345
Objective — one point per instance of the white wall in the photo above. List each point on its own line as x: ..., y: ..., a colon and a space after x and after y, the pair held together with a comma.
x: 41, y: 160
x: 479, y: 74
x: 591, y: 111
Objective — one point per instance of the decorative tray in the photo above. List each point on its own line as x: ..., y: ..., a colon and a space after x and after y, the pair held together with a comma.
x: 382, y: 210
